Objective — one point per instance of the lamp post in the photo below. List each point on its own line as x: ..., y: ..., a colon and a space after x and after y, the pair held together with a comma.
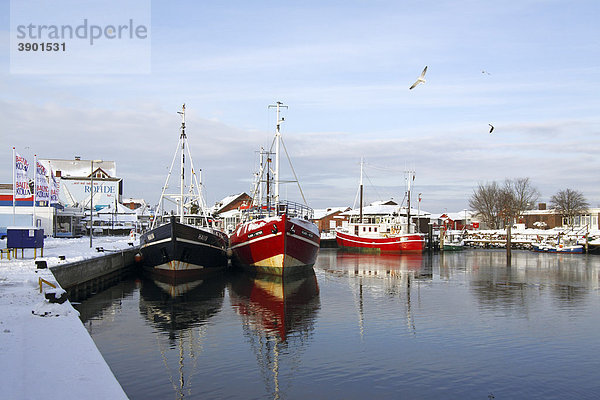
x: 419, y: 214
x: 92, y: 199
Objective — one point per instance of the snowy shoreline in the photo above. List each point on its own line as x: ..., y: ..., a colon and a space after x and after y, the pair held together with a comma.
x: 45, y: 348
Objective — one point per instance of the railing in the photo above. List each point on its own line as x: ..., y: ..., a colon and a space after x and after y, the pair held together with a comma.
x: 291, y: 208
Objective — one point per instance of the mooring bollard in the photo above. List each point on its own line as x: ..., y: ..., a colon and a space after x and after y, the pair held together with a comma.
x: 41, y: 264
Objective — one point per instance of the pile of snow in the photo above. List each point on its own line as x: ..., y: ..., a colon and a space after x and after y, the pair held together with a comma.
x: 43, y: 344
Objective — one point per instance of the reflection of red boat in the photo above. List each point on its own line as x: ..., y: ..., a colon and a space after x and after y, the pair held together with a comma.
x: 379, y: 264
x: 272, y: 304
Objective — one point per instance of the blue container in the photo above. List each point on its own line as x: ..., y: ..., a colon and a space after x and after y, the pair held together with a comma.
x: 24, y: 237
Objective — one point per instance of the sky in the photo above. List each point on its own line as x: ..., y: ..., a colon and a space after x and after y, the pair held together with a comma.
x: 529, y: 68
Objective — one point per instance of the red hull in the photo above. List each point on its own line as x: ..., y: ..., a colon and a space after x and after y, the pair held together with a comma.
x: 276, y: 245
x: 408, y: 243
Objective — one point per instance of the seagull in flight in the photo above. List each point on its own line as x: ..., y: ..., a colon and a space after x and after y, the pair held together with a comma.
x: 491, y: 127
x: 420, y: 79
x: 485, y: 72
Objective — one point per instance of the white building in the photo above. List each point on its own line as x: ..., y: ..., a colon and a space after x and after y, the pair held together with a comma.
x: 75, y: 178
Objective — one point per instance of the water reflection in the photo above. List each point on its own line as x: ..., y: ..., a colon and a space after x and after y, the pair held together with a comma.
x: 175, y: 306
x: 462, y: 324
x: 105, y: 304
x: 278, y: 317
x: 180, y: 310
x: 382, y: 275
x: 567, y: 278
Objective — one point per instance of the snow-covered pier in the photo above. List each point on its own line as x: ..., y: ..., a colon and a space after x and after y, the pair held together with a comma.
x: 46, y: 350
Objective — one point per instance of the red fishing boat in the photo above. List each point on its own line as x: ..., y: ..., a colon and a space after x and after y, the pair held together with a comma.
x: 277, y: 236
x: 382, y: 229
x: 403, y: 243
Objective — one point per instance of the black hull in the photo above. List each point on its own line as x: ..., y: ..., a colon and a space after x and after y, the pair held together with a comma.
x: 175, y: 249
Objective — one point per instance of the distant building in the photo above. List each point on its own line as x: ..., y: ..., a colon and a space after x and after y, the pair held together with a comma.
x: 75, y: 181
x: 134, y: 204
x: 543, y: 218
x: 228, y: 211
x: 328, y: 219
x: 233, y: 202
x: 23, y: 212
x: 459, y: 220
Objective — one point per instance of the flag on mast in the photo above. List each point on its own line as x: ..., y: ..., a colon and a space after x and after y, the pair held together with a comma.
x: 54, y: 188
x: 42, y: 192
x: 21, y: 177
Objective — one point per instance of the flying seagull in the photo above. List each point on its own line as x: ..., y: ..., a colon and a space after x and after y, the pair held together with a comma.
x: 420, y: 79
x: 485, y: 72
x: 491, y: 127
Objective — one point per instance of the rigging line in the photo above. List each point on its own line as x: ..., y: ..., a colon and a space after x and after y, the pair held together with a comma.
x: 162, y: 195
x: 374, y: 188
x: 201, y: 203
x: 294, y: 172
x: 383, y: 168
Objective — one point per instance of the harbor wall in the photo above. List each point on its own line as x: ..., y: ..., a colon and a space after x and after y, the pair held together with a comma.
x: 82, y: 278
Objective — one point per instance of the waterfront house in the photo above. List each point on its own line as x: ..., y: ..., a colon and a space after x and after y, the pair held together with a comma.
x: 543, y: 218
x: 328, y: 219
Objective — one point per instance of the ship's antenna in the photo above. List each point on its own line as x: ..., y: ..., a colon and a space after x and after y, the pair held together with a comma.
x: 278, y: 106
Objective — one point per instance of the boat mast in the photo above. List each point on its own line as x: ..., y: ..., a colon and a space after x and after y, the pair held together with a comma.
x: 277, y: 146
x: 361, y: 191
x: 259, y: 178
x: 411, y: 177
x: 182, y: 138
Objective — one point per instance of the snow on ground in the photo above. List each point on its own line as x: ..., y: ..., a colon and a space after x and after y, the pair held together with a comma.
x: 44, y: 348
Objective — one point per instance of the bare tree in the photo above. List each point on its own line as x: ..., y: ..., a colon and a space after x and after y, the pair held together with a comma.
x: 518, y: 196
x: 484, y: 201
x: 499, y: 206
x: 570, y: 203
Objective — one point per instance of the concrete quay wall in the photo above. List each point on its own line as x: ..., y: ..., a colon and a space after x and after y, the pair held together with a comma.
x: 82, y: 278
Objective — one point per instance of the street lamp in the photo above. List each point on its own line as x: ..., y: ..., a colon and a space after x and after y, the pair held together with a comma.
x: 92, y: 199
x: 419, y: 214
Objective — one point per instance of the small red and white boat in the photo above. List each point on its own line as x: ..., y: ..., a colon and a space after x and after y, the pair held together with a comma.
x: 385, y: 243
x: 276, y: 237
x: 383, y: 229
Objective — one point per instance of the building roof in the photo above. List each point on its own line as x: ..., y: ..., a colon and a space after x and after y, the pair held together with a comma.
x: 384, y: 209
x: 323, y: 212
x: 219, y: 205
x: 455, y: 216
x: 79, y: 168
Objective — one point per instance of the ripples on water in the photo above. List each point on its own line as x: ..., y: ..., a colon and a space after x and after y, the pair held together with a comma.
x: 449, y: 326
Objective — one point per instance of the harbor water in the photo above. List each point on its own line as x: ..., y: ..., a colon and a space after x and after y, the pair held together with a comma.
x: 457, y: 325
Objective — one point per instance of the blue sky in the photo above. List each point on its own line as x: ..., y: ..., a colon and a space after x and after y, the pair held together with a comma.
x: 344, y: 69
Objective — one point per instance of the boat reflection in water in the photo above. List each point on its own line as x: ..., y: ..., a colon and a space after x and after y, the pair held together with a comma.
x: 394, y: 266
x: 278, y: 316
x: 180, y: 309
x: 381, y: 276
